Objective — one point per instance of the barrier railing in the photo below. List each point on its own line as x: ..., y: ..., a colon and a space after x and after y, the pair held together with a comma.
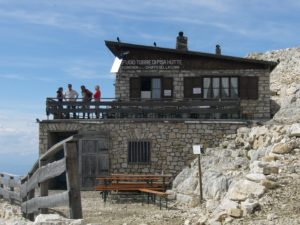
x: 24, y: 191
x: 114, y: 109
x: 10, y: 187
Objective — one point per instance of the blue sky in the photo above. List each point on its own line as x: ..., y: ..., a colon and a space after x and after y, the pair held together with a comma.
x: 47, y: 44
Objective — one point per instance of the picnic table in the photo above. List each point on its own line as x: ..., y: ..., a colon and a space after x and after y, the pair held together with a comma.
x: 151, y: 184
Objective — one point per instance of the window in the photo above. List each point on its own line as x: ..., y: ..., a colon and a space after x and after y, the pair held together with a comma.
x: 138, y: 152
x: 220, y: 87
x: 151, y: 87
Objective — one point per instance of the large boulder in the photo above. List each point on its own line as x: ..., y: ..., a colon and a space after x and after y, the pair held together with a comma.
x: 243, y: 189
x: 215, y: 185
x: 184, y: 174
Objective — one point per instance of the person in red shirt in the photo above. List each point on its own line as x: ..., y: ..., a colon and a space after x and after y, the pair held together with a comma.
x: 97, y: 96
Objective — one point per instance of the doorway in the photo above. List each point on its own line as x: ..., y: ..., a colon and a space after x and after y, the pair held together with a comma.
x: 93, y: 161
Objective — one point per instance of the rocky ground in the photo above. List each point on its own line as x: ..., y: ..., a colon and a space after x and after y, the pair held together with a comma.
x: 284, y: 83
x: 251, y: 178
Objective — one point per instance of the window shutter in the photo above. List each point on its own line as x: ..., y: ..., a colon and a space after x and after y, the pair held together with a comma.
x: 167, y: 85
x: 135, y: 84
x: 252, y: 87
x: 189, y: 84
x: 188, y: 87
x: 243, y: 87
x: 248, y: 87
x: 198, y: 83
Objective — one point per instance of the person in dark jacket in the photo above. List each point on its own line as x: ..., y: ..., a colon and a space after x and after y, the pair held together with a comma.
x: 87, y: 96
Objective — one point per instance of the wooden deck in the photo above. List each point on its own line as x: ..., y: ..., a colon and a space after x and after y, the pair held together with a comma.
x: 162, y: 109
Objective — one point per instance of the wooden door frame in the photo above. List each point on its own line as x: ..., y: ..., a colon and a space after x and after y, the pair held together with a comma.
x: 93, y: 137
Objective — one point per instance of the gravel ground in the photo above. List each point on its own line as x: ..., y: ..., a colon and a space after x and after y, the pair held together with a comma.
x: 128, y: 211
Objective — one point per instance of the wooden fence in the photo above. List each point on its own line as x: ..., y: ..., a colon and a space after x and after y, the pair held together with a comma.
x: 44, y: 169
x: 10, y: 187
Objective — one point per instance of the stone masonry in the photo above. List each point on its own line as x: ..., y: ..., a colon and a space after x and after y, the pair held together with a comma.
x: 252, y: 109
x: 171, y: 141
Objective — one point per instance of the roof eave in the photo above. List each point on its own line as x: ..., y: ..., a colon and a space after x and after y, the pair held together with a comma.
x: 113, y: 47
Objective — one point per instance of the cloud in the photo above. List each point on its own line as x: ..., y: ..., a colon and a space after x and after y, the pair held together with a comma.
x: 85, y: 68
x: 18, y: 133
x: 26, y: 77
x: 54, y: 19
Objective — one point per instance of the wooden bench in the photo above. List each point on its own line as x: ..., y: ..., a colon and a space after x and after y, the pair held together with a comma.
x: 105, y: 189
x: 155, y: 193
x: 131, y: 183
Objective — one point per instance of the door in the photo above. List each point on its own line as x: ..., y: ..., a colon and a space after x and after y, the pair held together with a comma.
x: 93, y: 161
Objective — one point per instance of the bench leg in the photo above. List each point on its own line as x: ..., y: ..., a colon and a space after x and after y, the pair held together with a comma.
x: 166, y: 202
x: 159, y: 203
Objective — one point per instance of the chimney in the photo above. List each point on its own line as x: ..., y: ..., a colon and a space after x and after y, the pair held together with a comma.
x: 218, y: 50
x: 181, y: 42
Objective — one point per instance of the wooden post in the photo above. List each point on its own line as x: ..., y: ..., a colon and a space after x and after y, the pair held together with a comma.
x: 11, y: 187
x: 200, y: 179
x: 30, y: 195
x: 1, y: 183
x: 72, y: 176
x: 43, y: 187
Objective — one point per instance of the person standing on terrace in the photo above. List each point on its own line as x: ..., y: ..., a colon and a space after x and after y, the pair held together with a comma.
x: 87, y: 96
x: 97, y: 96
x: 60, y: 97
x: 71, y: 96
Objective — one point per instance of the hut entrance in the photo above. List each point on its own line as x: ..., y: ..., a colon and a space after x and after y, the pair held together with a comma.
x: 93, y: 161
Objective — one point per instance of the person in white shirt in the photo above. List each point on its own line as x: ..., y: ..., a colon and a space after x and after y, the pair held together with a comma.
x: 71, y: 96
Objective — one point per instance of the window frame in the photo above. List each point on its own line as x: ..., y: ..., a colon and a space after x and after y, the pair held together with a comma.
x: 138, y: 155
x: 220, y: 88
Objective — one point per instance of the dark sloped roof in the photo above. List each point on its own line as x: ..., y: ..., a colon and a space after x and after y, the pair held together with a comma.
x: 118, y: 48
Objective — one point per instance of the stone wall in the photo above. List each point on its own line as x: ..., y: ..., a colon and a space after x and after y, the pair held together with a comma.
x: 171, y: 142
x: 253, y: 109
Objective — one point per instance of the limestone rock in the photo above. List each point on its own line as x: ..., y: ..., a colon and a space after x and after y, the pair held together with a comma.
x: 186, y: 182
x: 234, y: 212
x: 211, y: 205
x: 249, y: 206
x: 171, y: 195
x: 269, y: 184
x: 281, y: 148
x: 242, y: 189
x: 270, y: 170
x: 185, y: 198
x: 269, y: 158
x: 215, y: 185
x: 202, y: 220
x: 258, y: 166
x: 228, y: 204
x: 184, y: 174
x: 256, y: 177
x: 54, y: 219
x: 295, y: 130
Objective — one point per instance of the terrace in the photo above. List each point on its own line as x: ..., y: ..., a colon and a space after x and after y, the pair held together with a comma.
x: 110, y: 109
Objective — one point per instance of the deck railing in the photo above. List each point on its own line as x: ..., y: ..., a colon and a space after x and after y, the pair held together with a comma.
x: 114, y: 109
